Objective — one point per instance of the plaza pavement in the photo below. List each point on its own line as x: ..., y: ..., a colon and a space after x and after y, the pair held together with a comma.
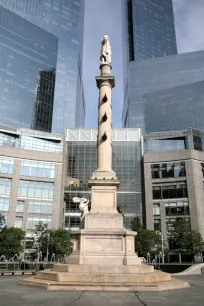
x: 12, y: 294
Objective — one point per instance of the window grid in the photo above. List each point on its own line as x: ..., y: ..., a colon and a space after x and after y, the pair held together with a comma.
x: 5, y: 186
x: 38, y: 169
x: 30, y: 189
x: 33, y: 221
x: 36, y: 207
x: 4, y: 204
x: 6, y: 165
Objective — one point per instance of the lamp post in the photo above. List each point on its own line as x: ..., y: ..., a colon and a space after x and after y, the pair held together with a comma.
x: 48, y: 238
x: 162, y: 245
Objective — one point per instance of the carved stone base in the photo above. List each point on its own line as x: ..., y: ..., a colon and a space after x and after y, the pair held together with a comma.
x: 102, y: 246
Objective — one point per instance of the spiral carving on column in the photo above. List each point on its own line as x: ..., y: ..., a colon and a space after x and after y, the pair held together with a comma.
x: 105, y: 99
x: 104, y: 137
x: 104, y: 118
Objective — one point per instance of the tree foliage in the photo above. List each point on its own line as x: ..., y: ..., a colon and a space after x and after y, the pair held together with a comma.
x: 146, y: 240
x: 52, y: 241
x: 184, y: 240
x: 2, y: 221
x: 10, y: 241
x: 196, y: 243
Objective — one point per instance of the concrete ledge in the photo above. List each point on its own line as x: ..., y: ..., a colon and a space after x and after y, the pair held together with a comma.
x: 193, y: 270
x: 172, y: 284
x: 142, y: 268
x: 102, y: 278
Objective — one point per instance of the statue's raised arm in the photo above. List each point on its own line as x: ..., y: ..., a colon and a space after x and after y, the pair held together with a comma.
x: 105, y: 50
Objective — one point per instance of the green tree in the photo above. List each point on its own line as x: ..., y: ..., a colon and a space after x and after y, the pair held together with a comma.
x: 2, y: 221
x: 196, y: 243
x: 51, y: 241
x: 60, y: 242
x: 179, y: 239
x: 136, y: 224
x: 11, y: 241
x: 146, y: 240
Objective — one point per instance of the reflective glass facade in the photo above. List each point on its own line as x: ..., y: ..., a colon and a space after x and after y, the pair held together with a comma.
x: 167, y: 170
x: 149, y: 28
x: 166, y: 93
x: 65, y: 20
x: 38, y: 169
x: 29, y: 189
x: 33, y: 221
x: 5, y: 186
x: 174, y: 141
x: 24, y: 139
x: 82, y: 161
x: 169, y: 191
x: 6, y: 165
x: 40, y: 207
x: 4, y: 204
x: 28, y: 61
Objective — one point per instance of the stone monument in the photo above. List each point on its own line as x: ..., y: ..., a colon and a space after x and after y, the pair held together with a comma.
x: 103, y: 254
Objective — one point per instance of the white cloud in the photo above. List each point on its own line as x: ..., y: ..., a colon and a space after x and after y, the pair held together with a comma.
x: 189, y: 19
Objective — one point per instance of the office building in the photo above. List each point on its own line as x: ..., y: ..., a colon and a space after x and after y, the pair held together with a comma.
x: 165, y: 93
x: 64, y: 20
x: 31, y: 178
x: 28, y: 60
x: 174, y: 180
x: 148, y: 29
x: 82, y: 161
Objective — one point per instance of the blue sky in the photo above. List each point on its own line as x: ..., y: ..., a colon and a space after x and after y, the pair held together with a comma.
x: 104, y: 17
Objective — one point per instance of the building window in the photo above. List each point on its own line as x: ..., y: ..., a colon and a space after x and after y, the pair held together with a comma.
x: 5, y: 186
x: 8, y: 140
x: 4, y: 204
x: 5, y: 221
x: 202, y: 169
x: 72, y: 222
x: 39, y: 190
x: 156, y: 193
x: 39, y: 144
x: 156, y: 209
x: 170, y: 191
x: 157, y: 225
x: 33, y: 221
x: 170, y: 225
x: 19, y: 222
x: 20, y: 206
x: 40, y: 207
x: 163, y: 145
x: 38, y: 169
x: 177, y: 208
x: 167, y: 170
x: 6, y: 165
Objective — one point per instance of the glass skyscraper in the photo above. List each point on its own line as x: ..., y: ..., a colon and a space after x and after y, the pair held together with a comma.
x: 148, y: 29
x: 28, y: 59
x: 167, y: 94
x: 148, y: 33
x: 64, y: 19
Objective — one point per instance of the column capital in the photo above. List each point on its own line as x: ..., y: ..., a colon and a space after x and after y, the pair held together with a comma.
x: 107, y: 80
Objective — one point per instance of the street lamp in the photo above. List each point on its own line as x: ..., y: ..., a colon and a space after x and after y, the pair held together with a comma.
x: 162, y: 241
x: 48, y: 238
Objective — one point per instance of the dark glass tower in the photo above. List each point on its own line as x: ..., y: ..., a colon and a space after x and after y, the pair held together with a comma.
x: 166, y: 93
x: 25, y: 52
x: 65, y: 20
x: 149, y: 29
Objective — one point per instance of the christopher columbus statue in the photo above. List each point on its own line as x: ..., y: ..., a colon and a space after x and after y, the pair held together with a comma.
x: 105, y: 50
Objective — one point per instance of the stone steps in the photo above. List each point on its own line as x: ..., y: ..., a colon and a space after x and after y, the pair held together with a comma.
x: 143, y: 268
x: 67, y: 286
x: 127, y: 278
